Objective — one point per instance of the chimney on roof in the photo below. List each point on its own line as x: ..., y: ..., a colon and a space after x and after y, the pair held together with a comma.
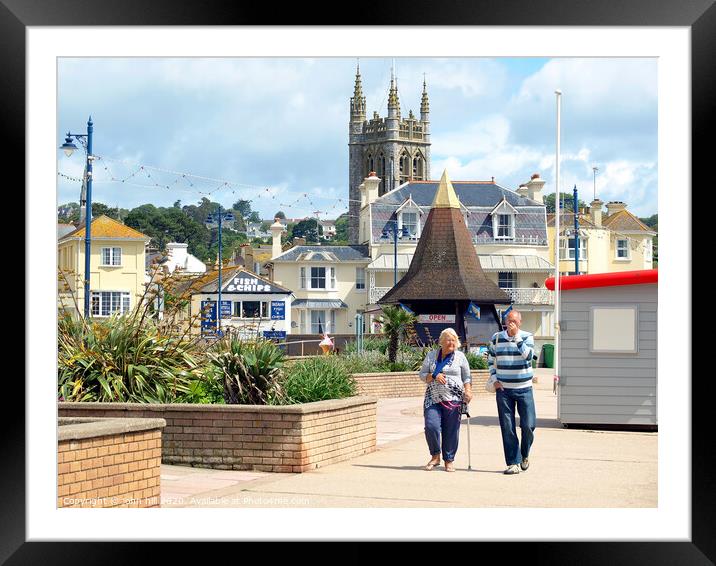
x: 177, y: 254
x: 595, y: 207
x: 533, y: 188
x: 369, y: 189
x: 615, y: 206
x: 299, y: 241
x: 276, y: 230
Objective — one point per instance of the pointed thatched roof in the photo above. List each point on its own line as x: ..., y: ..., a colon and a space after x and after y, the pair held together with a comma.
x: 445, y: 265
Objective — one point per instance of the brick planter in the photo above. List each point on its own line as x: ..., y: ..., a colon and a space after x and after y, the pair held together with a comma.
x: 408, y: 384
x: 289, y: 438
x: 108, y: 462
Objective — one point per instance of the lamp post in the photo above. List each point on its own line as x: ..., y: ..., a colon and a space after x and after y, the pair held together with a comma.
x: 392, y: 228
x: 69, y: 147
x: 220, y: 216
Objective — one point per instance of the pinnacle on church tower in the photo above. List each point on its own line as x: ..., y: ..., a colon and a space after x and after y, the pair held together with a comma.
x: 393, y: 101
x: 358, y: 100
x: 424, y: 103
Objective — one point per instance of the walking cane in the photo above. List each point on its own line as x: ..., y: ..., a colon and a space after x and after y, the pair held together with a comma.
x: 465, y: 411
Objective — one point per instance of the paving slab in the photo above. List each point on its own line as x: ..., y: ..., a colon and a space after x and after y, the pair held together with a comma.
x: 570, y: 468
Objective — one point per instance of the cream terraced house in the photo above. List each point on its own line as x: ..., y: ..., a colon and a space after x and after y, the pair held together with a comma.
x: 117, y: 268
x: 617, y: 241
x: 328, y: 282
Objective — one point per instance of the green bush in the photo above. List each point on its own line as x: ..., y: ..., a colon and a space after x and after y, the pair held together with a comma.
x: 367, y: 362
x: 317, y: 379
x: 250, y: 371
x: 122, y: 359
x: 370, y: 344
x: 476, y: 361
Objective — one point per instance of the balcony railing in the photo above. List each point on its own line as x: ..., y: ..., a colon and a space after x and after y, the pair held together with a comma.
x: 376, y: 293
x: 526, y: 296
x: 520, y: 240
x: 531, y: 296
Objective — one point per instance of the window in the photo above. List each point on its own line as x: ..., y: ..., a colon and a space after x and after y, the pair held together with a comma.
x: 318, y: 322
x: 566, y: 248
x: 318, y: 278
x: 112, y: 256
x: 303, y: 278
x: 360, y: 278
x: 622, y: 248
x: 321, y: 278
x: 409, y: 220
x: 303, y: 321
x: 505, y: 226
x: 332, y: 328
x: 648, y: 252
x: 251, y: 309
x: 106, y: 303
x: 507, y: 280
x: 236, y: 312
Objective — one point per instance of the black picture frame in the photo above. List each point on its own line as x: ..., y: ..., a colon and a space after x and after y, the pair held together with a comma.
x: 698, y: 15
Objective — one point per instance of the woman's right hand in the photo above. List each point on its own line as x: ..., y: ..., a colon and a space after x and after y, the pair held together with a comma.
x: 441, y: 378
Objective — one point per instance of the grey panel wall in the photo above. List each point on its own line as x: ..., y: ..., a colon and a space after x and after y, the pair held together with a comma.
x: 608, y: 388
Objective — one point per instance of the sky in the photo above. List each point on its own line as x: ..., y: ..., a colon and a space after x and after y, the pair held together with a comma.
x: 275, y: 130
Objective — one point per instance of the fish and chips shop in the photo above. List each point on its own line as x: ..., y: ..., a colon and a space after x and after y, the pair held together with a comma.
x: 251, y: 306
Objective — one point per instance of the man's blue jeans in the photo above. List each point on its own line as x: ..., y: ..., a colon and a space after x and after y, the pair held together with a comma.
x: 440, y: 419
x: 507, y: 401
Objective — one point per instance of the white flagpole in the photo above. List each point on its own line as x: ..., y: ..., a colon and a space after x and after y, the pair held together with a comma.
x: 557, y: 212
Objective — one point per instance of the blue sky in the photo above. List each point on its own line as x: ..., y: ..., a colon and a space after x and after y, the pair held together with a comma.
x: 276, y: 129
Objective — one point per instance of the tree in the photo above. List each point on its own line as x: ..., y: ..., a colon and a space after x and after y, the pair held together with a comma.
x: 341, y: 236
x: 243, y: 207
x: 254, y: 217
x: 308, y: 229
x: 177, y: 204
x: 396, y: 323
x: 567, y: 199
x: 280, y: 215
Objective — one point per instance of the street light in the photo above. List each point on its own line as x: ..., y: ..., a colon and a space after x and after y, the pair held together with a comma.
x: 392, y: 227
x: 68, y: 147
x: 220, y: 216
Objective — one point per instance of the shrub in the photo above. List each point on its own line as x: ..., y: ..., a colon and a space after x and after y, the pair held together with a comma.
x: 476, y: 361
x: 122, y: 359
x: 250, y: 371
x: 368, y: 361
x: 370, y: 344
x: 317, y: 379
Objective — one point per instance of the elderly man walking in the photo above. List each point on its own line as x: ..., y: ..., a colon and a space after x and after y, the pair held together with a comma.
x: 510, y: 361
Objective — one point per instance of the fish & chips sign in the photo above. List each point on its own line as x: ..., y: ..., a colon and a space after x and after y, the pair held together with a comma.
x: 248, y: 285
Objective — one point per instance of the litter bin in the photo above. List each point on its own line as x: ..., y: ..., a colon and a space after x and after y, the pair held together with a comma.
x: 548, y: 350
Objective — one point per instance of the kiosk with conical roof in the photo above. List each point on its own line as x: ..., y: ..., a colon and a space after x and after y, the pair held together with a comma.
x: 445, y: 285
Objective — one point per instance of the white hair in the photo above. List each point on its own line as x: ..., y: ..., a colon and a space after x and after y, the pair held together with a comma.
x: 449, y: 332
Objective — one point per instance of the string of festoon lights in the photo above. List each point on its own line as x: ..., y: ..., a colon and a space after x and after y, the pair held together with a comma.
x: 151, y: 177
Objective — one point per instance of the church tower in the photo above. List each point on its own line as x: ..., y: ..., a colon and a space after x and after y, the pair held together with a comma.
x: 397, y: 149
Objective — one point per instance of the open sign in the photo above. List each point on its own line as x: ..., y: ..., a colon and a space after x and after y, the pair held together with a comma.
x: 436, y: 318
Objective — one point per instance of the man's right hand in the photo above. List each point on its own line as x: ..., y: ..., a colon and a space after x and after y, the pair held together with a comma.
x: 498, y: 385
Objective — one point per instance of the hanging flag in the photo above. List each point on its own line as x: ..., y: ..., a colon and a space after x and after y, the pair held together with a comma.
x: 473, y: 310
x: 504, y: 314
x: 408, y: 310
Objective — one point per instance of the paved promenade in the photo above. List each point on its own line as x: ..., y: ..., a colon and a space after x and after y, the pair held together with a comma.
x: 569, y: 468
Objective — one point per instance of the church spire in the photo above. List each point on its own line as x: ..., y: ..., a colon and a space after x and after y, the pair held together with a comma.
x: 393, y: 102
x: 424, y: 103
x: 358, y: 100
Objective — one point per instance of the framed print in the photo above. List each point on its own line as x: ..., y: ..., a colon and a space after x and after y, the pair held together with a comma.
x: 38, y: 37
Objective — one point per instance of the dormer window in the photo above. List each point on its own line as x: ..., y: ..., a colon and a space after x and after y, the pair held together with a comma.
x: 408, y: 215
x: 503, y: 221
x: 409, y: 220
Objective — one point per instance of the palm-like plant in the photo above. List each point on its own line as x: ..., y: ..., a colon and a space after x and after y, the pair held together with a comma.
x: 397, y: 322
x: 250, y: 371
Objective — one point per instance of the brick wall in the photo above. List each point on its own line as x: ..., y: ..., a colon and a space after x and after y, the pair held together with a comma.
x: 119, y: 470
x: 291, y: 438
x: 407, y: 384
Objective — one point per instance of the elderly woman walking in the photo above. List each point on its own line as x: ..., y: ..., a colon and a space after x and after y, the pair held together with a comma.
x: 447, y: 374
